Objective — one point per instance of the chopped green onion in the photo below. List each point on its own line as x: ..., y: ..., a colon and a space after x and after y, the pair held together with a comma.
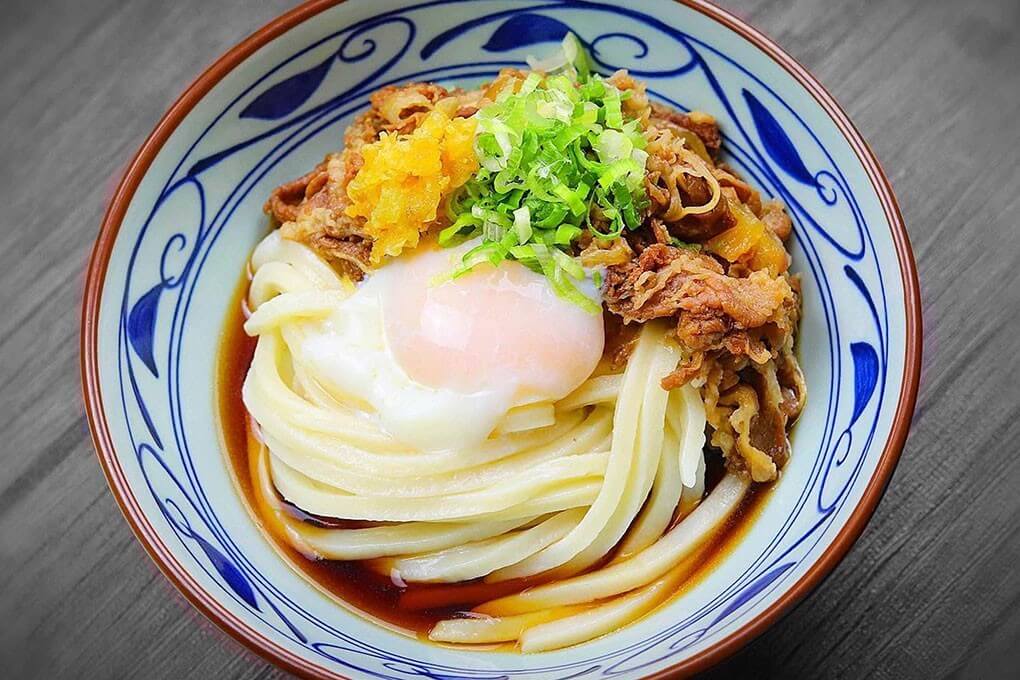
x: 568, y: 264
x: 614, y: 112
x: 553, y: 155
x: 617, y: 170
x: 565, y: 234
x: 613, y: 145
x: 530, y: 83
x: 522, y: 224
x: 572, y: 198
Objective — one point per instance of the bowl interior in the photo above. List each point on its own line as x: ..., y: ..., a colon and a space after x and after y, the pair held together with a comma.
x: 195, y: 215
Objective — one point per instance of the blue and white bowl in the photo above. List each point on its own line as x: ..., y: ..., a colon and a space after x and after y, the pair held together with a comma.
x: 189, y: 211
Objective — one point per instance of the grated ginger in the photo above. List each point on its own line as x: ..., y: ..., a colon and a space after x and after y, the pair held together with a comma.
x: 406, y: 178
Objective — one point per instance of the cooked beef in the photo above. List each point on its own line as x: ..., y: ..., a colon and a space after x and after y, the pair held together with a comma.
x: 701, y: 124
x: 316, y: 215
x: 774, y: 215
x: 710, y: 306
x: 401, y: 107
x: 678, y: 181
x: 741, y: 190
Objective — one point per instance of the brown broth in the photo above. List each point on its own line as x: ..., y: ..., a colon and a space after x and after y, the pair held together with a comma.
x: 410, y: 609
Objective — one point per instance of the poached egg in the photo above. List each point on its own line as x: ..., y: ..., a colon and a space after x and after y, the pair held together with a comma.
x: 441, y: 364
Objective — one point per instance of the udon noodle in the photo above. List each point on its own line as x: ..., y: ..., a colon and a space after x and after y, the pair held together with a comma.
x: 503, y: 337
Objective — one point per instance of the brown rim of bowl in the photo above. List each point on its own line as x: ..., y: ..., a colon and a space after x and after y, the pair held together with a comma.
x: 286, y: 659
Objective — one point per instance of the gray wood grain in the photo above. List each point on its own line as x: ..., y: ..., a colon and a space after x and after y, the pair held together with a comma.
x: 931, y: 590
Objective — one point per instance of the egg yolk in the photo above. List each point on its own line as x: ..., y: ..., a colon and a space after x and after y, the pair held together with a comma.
x: 494, y: 328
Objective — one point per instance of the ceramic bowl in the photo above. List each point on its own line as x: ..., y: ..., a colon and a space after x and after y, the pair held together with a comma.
x: 189, y: 210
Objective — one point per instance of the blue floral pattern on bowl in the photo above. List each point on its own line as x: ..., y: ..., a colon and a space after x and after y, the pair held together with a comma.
x: 196, y: 215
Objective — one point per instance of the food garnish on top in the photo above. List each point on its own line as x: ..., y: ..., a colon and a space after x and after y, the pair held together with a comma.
x: 580, y: 176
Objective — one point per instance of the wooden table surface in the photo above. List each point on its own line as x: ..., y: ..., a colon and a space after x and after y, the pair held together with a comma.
x: 932, y: 589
